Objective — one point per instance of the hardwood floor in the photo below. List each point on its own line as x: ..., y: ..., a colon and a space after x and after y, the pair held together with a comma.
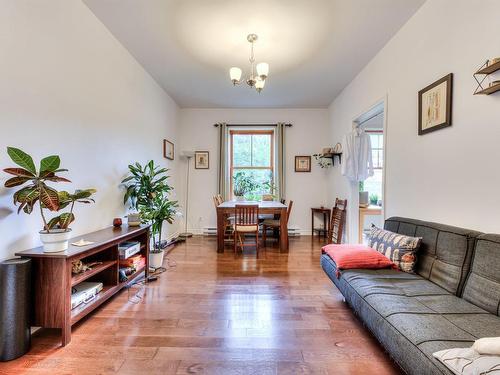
x: 219, y: 314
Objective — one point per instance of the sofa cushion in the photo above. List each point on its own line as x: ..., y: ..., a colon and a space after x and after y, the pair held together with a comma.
x: 419, y: 328
x: 478, y: 325
x: 399, y: 248
x: 387, y: 305
x: 483, y: 284
x: 445, y: 251
x: 449, y: 304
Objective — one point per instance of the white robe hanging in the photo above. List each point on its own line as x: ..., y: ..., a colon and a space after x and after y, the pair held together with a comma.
x: 357, y: 164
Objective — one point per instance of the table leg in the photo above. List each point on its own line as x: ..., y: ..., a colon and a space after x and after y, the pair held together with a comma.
x: 283, y: 230
x: 312, y: 223
x: 220, y: 231
x: 324, y: 224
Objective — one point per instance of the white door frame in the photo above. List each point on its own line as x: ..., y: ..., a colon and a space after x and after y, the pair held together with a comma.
x: 354, y: 194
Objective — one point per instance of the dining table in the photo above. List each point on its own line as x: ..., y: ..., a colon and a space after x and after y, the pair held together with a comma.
x: 227, y: 208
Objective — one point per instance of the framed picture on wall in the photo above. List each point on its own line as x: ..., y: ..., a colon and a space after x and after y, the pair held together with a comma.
x: 168, y: 150
x: 303, y: 164
x: 434, y: 105
x: 201, y: 160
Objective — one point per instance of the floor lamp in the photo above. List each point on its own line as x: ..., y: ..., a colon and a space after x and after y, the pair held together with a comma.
x: 188, y: 155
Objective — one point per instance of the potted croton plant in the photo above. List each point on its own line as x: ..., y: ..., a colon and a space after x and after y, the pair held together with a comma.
x: 147, y: 192
x: 34, y: 188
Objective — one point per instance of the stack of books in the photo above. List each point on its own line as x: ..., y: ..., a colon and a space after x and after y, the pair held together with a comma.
x: 132, y: 264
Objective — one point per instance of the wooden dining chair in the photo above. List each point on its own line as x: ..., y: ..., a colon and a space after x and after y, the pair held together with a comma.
x: 337, y: 221
x: 228, y: 221
x: 246, y: 221
x: 275, y: 224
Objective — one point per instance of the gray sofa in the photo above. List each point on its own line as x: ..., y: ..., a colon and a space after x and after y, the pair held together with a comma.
x: 453, y: 299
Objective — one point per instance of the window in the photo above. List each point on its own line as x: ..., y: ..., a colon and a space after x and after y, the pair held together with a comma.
x: 252, y: 152
x: 374, y: 184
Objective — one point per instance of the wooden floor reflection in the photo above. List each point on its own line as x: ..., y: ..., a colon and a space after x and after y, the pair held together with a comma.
x: 219, y: 314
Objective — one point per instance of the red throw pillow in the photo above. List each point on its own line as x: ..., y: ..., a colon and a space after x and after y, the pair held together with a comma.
x: 348, y: 257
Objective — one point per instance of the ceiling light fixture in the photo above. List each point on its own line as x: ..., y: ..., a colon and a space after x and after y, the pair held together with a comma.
x: 258, y: 73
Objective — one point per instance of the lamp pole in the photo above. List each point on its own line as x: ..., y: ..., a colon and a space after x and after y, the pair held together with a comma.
x: 187, y: 234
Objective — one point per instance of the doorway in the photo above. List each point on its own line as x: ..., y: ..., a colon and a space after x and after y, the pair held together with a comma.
x: 372, y: 190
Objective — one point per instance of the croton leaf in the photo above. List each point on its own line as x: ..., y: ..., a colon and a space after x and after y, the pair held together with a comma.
x: 53, y: 222
x: 83, y: 194
x: 66, y: 219
x: 49, y: 198
x: 22, y: 159
x: 16, y: 181
x: 28, y: 207
x: 57, y: 179
x: 27, y: 194
x: 50, y: 163
x: 20, y: 172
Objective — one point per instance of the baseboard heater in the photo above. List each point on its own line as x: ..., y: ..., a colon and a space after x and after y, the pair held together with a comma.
x: 212, y: 231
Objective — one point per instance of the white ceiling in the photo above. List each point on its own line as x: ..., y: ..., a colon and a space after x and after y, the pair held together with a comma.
x: 314, y: 47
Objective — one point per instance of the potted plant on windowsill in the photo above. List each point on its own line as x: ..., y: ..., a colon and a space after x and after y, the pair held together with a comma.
x: 147, y: 192
x: 56, y: 232
x: 243, y: 184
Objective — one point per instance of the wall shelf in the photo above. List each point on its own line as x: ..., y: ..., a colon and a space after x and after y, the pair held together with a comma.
x: 480, y: 76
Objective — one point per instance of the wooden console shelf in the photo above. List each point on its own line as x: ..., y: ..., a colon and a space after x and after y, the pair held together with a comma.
x: 53, y: 280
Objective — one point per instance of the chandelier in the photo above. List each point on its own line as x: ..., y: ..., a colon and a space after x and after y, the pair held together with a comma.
x: 258, y: 73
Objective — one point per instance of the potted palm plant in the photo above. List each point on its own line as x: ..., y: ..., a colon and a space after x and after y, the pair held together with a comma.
x: 35, y: 189
x: 147, y: 192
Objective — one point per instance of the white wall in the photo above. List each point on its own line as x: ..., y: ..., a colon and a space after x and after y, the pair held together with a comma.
x: 450, y: 175
x: 67, y: 87
x: 309, y: 134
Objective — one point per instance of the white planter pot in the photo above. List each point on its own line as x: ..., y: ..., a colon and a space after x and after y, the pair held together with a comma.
x: 55, y: 241
x: 134, y: 220
x: 156, y: 259
x: 240, y: 198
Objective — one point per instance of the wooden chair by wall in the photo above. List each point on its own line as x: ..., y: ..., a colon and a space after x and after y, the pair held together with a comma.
x: 246, y: 220
x: 275, y: 223
x: 337, y: 221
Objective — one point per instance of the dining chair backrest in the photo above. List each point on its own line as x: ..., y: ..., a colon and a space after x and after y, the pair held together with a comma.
x: 246, y: 214
x: 289, y: 210
x: 216, y: 201
x: 220, y: 199
x: 337, y: 221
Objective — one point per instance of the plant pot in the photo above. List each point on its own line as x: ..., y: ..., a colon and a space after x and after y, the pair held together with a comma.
x: 240, y: 198
x: 364, y: 199
x: 134, y: 220
x: 55, y: 241
x: 156, y: 259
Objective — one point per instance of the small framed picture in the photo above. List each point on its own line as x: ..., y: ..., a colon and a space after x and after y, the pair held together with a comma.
x: 303, y: 164
x: 201, y: 160
x: 168, y: 150
x: 434, y: 105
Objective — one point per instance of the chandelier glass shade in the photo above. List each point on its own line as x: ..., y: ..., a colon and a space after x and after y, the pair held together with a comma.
x: 258, y: 72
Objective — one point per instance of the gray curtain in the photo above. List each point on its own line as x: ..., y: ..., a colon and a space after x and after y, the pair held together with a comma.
x: 280, y: 160
x: 223, y: 155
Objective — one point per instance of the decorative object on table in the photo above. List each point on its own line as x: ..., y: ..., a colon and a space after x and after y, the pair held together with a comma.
x: 128, y: 248
x: 243, y: 184
x: 357, y: 155
x: 483, y: 73
x: 56, y: 232
x: 435, y: 105
x: 81, y: 242
x: 188, y: 155
x: 134, y: 219
x: 168, y: 150
x: 117, y: 222
x: 364, y: 196
x: 254, y: 80
x: 78, y: 266
x: 374, y: 199
x: 302, y: 163
x: 399, y: 248
x: 147, y: 191
x: 201, y: 160
x: 337, y: 149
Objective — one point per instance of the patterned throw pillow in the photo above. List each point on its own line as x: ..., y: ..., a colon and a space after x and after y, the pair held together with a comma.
x: 397, y: 247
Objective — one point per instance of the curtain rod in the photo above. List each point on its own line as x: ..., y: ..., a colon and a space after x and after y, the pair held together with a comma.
x: 287, y: 125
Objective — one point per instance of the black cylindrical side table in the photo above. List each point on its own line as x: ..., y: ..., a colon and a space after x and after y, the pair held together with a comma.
x: 15, y: 301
